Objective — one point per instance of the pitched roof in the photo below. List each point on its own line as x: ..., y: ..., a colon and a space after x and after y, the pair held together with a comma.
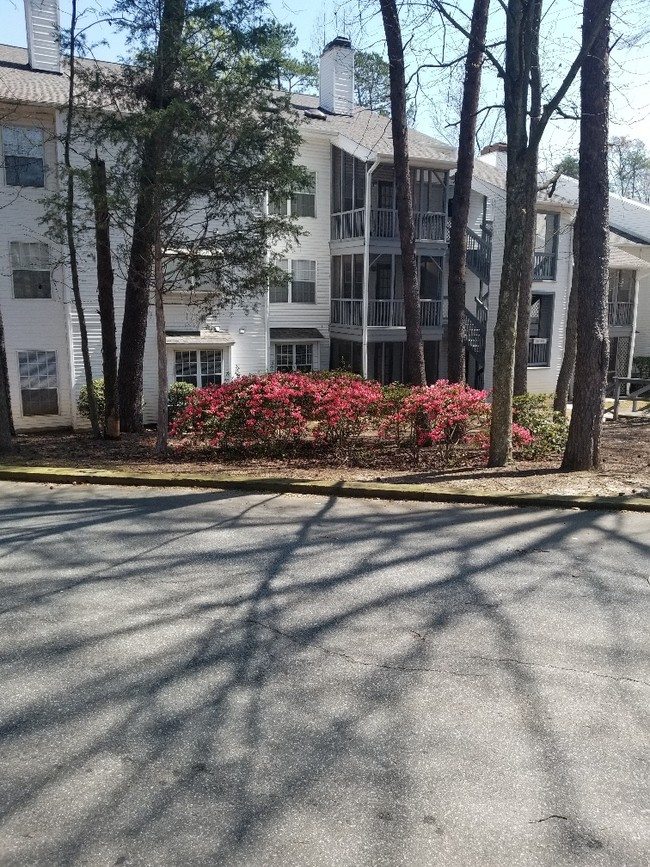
x: 371, y: 131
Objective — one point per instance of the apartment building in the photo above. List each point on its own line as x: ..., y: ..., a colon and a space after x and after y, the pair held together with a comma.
x: 342, y: 301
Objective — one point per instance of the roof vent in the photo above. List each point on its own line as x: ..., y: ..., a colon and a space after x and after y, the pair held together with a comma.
x: 315, y: 114
x: 42, y: 18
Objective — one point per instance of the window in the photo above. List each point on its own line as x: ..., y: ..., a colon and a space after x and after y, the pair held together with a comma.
x: 38, y: 382
x: 301, y: 204
x: 300, y: 285
x: 540, y: 330
x: 291, y: 357
x: 30, y: 265
x: 198, y: 367
x: 23, y: 156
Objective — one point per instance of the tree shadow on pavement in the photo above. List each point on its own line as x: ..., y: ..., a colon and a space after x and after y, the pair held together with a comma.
x: 235, y: 679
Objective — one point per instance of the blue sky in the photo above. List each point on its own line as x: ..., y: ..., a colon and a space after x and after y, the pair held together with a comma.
x: 630, y: 64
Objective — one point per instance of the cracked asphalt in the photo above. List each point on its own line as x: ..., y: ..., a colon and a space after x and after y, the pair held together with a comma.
x: 208, y: 678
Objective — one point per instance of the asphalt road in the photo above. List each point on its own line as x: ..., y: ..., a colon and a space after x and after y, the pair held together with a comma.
x: 205, y: 678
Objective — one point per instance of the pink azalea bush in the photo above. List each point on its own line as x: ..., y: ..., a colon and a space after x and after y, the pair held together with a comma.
x: 443, y: 414
x: 278, y: 411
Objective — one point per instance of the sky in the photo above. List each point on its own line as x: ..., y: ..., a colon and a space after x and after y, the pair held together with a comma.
x: 438, y: 90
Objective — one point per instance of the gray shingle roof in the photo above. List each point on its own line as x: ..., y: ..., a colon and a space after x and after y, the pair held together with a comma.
x: 295, y: 334
x: 372, y: 131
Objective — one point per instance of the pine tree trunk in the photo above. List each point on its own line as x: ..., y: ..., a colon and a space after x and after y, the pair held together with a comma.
x: 161, y: 350
x: 6, y: 423
x: 136, y: 300
x: 583, y: 445
x: 568, y: 365
x: 520, y: 384
x: 69, y: 224
x: 105, y: 298
x: 416, y: 374
x: 462, y: 193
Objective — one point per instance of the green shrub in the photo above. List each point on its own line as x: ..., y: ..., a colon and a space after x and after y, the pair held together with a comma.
x: 549, y: 429
x: 642, y: 366
x: 83, y: 407
x: 177, y: 398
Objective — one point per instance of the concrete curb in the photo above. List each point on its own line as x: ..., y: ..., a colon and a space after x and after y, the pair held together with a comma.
x: 367, y: 490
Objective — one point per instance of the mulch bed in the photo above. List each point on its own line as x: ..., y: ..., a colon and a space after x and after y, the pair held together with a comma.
x: 625, y: 463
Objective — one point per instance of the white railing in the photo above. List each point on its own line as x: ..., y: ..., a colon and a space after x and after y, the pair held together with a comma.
x: 348, y: 224
x: 428, y: 226
x: 390, y: 313
x: 538, y: 351
x: 620, y: 312
x: 347, y: 311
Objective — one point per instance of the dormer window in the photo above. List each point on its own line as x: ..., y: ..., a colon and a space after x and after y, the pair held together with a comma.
x: 22, y: 148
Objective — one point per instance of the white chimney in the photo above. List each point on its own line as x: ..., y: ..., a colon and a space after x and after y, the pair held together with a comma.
x: 337, y: 77
x: 42, y: 18
x: 496, y: 155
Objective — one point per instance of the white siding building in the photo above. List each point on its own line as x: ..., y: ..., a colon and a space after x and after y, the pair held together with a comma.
x: 342, y: 301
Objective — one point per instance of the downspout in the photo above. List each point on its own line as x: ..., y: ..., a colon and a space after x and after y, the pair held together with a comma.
x: 366, y: 270
x: 635, y: 309
x: 267, y: 299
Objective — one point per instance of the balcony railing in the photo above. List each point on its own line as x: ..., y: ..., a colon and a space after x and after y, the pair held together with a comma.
x: 538, y: 351
x: 347, y: 311
x: 428, y: 226
x: 620, y: 312
x: 479, y: 255
x: 390, y: 314
x: 383, y: 314
x: 544, y: 266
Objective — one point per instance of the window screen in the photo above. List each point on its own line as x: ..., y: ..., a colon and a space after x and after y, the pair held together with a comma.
x: 38, y: 382
x: 279, y: 291
x: 30, y: 267
x: 186, y: 368
x: 210, y: 367
x: 23, y: 156
x: 303, y: 281
x: 303, y: 202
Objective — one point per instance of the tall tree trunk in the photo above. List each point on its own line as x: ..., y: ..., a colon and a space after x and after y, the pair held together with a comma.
x: 6, y: 422
x: 105, y: 297
x: 462, y: 193
x: 416, y: 373
x: 522, y: 39
x: 161, y: 349
x: 568, y: 365
x: 583, y: 445
x: 136, y: 300
x: 69, y: 224
x: 520, y: 383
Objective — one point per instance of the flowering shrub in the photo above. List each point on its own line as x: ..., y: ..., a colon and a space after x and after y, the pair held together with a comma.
x: 443, y: 414
x: 272, y: 413
x: 549, y: 430
x: 266, y: 413
x: 343, y: 409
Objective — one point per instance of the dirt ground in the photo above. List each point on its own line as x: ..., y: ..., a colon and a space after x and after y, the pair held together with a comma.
x: 625, y: 464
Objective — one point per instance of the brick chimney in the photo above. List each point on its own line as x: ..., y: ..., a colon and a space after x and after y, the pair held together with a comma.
x: 42, y: 17
x: 337, y: 77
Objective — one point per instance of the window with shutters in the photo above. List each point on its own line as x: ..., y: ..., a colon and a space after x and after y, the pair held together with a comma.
x: 22, y: 149
x: 30, y: 267
x: 39, y: 390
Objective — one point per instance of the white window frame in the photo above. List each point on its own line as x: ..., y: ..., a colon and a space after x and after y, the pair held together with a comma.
x: 197, y: 350
x: 290, y: 273
x: 27, y: 129
x: 53, y: 352
x: 314, y: 348
x: 288, y: 209
x: 38, y: 270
